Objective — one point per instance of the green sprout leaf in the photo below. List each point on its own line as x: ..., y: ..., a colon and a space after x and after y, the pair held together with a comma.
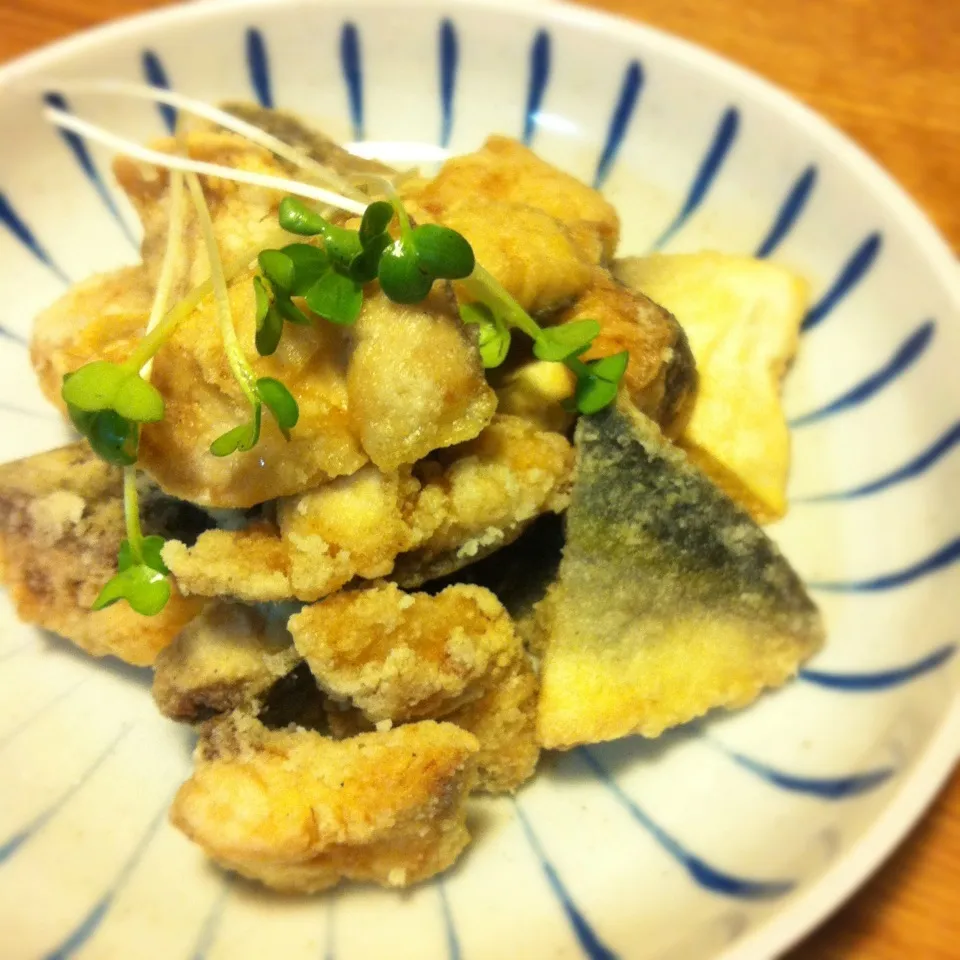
x: 280, y: 403
x: 262, y: 300
x: 444, y: 253
x: 493, y: 336
x: 150, y: 547
x: 402, y: 277
x: 597, y: 382
x: 565, y: 341
x: 309, y: 263
x: 366, y: 264
x: 269, y: 331
x: 102, y: 386
x: 138, y: 401
x: 110, y: 436
x: 278, y: 268
x: 146, y: 590
x: 342, y: 246
x: 336, y: 297
x: 297, y: 217
x: 240, y: 439
x: 376, y: 219
x: 290, y: 311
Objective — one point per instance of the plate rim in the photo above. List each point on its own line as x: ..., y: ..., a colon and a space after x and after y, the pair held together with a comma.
x: 920, y: 786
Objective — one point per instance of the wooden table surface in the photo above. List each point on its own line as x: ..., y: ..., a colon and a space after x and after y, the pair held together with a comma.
x: 889, y: 75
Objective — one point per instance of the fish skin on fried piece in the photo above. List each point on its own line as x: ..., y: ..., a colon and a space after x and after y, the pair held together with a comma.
x: 300, y: 812
x: 61, y: 524
x: 670, y: 602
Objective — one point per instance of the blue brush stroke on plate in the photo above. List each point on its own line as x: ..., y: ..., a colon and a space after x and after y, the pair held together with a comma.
x: 10, y: 846
x: 82, y: 933
x: 453, y: 941
x: 948, y: 554
x: 909, y: 471
x: 707, y: 876
x: 18, y: 227
x: 826, y: 788
x: 589, y: 941
x: 82, y: 156
x: 880, y: 679
x: 211, y: 922
x: 723, y: 140
x: 906, y: 355
x: 789, y: 212
x: 536, y: 83
x: 258, y: 66
x: 350, y: 63
x: 852, y: 272
x: 7, y: 334
x: 18, y: 728
x: 156, y: 76
x: 449, y: 59
x: 620, y: 121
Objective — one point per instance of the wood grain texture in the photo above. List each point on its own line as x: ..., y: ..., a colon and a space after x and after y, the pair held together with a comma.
x: 887, y: 75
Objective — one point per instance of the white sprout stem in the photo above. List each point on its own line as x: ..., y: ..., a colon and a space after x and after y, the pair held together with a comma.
x: 238, y: 362
x: 174, y: 242
x: 131, y: 512
x: 215, y: 115
x: 167, y: 161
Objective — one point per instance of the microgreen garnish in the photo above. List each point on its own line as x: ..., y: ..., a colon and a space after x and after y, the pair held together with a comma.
x: 597, y: 381
x: 141, y: 577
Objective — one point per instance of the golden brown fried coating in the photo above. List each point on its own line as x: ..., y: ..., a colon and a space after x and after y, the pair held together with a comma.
x: 504, y: 170
x: 300, y: 812
x: 504, y: 721
x: 485, y: 496
x: 661, y: 375
x: 415, y: 381
x: 530, y: 252
x: 475, y: 498
x: 226, y: 658
x: 399, y: 656
x: 101, y: 317
x: 61, y: 523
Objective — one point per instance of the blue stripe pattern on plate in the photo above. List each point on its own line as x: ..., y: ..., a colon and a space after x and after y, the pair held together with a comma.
x: 826, y: 788
x: 88, y: 926
x: 258, y: 66
x: 873, y: 682
x: 536, y: 83
x: 10, y: 846
x: 707, y: 876
x: 852, y: 272
x: 156, y: 76
x: 211, y: 922
x: 350, y: 64
x: 913, y: 468
x: 453, y: 941
x: 946, y: 555
x: 7, y: 334
x: 588, y: 939
x: 789, y: 212
x: 620, y: 121
x: 18, y: 728
x: 82, y: 155
x: 18, y: 227
x: 723, y: 140
x: 449, y: 55
x: 905, y: 356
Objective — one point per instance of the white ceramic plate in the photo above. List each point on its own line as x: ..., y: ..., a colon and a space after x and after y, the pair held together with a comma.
x: 727, y: 839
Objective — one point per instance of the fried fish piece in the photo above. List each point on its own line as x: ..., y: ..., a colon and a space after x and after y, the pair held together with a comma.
x: 506, y: 171
x: 415, y: 381
x: 661, y: 376
x: 414, y: 525
x: 670, y: 602
x: 226, y: 658
x: 399, y: 656
x: 61, y: 524
x: 742, y: 318
x: 299, y: 812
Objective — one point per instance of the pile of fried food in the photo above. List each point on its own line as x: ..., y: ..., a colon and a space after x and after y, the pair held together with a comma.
x: 440, y: 573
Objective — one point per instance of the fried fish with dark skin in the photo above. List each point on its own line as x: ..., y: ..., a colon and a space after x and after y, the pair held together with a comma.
x: 61, y: 523
x: 670, y: 601
x: 300, y: 812
x: 226, y: 658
